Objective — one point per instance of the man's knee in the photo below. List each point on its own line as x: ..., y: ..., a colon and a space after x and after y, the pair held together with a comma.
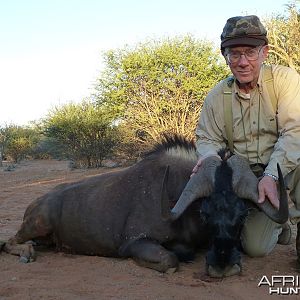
x: 292, y: 181
x: 260, y: 234
x: 256, y: 250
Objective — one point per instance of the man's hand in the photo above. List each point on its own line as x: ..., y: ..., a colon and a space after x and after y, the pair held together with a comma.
x: 267, y: 189
x: 200, y: 161
x: 197, y: 166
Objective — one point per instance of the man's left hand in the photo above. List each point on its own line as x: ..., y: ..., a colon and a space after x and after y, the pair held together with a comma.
x: 267, y: 189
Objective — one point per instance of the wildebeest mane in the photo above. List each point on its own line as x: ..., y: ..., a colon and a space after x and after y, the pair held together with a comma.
x: 171, y: 142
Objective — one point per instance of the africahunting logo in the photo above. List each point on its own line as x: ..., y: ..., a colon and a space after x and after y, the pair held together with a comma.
x: 281, y: 284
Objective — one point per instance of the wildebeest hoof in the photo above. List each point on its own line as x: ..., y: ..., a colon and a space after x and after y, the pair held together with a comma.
x: 24, y: 259
x: 226, y: 272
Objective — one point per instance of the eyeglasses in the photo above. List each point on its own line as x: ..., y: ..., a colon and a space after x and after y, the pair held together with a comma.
x: 251, y: 54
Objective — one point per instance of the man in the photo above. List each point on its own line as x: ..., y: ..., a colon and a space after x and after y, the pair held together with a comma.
x: 265, y: 135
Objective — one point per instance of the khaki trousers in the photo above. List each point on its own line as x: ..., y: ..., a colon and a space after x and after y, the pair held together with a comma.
x: 260, y: 234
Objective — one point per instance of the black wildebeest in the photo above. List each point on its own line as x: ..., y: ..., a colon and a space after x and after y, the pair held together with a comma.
x: 127, y: 213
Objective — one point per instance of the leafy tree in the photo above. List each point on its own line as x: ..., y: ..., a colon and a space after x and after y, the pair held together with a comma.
x: 20, y: 141
x: 160, y: 85
x: 4, y: 138
x: 84, y: 130
x: 49, y: 147
x: 284, y: 38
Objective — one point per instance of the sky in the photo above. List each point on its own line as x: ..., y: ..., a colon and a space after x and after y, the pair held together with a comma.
x: 51, y: 51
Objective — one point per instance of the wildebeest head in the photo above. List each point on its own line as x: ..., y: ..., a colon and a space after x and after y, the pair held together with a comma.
x: 224, y: 214
x: 223, y: 187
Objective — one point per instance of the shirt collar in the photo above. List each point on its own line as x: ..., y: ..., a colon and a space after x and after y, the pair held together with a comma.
x: 259, y: 85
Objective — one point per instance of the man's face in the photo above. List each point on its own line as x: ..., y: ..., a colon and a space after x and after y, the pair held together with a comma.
x: 245, y: 62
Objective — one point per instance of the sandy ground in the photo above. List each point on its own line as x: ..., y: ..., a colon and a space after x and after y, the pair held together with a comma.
x: 64, y: 276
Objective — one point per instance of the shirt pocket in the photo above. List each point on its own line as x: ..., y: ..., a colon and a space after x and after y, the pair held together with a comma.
x: 269, y: 125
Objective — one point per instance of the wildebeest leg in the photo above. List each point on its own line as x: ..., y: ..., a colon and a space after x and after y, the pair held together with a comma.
x: 183, y: 252
x: 20, y: 244
x: 150, y: 254
x: 25, y: 251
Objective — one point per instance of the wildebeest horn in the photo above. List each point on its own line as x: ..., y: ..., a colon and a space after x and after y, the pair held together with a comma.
x: 245, y: 185
x: 200, y: 185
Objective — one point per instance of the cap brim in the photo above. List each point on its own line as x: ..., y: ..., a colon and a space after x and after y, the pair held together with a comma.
x: 249, y: 41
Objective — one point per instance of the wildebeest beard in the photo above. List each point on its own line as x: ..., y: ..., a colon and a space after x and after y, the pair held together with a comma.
x: 224, y: 214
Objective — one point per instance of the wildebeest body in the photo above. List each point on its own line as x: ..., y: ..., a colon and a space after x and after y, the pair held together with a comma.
x: 102, y: 214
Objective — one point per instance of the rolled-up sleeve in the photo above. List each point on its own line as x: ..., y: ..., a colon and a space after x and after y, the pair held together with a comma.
x: 287, y: 148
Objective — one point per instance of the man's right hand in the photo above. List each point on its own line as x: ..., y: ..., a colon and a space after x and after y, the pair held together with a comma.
x: 267, y: 190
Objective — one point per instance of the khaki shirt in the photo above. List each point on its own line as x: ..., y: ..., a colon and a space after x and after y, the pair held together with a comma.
x: 254, y: 122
